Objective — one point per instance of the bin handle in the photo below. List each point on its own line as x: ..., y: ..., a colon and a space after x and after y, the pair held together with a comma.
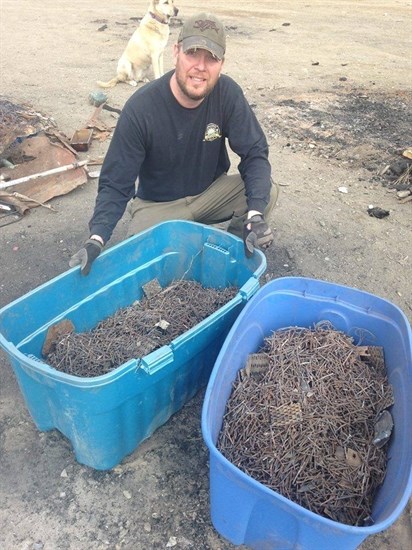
x: 157, y: 359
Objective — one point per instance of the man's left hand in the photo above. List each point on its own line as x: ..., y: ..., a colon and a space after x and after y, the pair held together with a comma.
x: 256, y: 234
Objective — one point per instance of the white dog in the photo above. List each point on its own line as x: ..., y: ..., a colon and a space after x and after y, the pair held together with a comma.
x: 146, y: 46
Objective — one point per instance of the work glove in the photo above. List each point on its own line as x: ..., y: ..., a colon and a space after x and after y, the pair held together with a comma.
x: 86, y: 256
x: 258, y: 236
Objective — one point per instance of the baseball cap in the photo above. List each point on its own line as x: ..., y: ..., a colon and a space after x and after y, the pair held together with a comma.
x: 204, y: 31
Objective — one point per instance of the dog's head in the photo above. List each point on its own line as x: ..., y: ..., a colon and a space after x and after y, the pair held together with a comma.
x: 165, y: 7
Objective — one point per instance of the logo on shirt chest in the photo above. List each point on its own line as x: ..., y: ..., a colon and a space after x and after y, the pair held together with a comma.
x: 212, y: 132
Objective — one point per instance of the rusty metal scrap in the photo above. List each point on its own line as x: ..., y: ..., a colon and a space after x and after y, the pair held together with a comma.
x: 17, y: 121
x: 133, y: 332
x: 304, y: 426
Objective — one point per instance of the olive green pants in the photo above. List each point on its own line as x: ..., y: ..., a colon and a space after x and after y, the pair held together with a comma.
x: 224, y: 200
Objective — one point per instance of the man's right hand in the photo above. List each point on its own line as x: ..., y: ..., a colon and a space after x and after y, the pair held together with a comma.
x: 86, y: 255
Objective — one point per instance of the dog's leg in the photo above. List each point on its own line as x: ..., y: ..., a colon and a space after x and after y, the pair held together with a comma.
x: 140, y: 76
x: 156, y: 63
x: 125, y: 72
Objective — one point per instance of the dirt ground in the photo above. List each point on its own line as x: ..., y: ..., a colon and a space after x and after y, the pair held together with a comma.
x: 331, y: 84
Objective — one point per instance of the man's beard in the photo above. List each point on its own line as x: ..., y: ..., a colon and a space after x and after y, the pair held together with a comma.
x: 195, y: 96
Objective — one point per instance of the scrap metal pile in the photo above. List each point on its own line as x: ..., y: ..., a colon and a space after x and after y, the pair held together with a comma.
x: 303, y: 419
x: 36, y: 162
x: 135, y: 331
x: 19, y: 121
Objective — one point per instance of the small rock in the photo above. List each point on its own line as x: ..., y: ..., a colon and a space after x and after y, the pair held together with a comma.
x: 127, y: 494
x: 398, y: 168
x: 171, y: 542
x: 64, y: 473
x: 377, y: 212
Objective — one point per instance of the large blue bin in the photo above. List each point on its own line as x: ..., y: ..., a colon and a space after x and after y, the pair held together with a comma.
x: 106, y: 417
x: 245, y: 511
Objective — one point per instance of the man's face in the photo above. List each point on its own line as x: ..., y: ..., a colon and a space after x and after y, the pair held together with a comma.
x: 197, y: 72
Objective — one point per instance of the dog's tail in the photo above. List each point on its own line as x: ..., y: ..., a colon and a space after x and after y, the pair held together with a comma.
x: 110, y: 84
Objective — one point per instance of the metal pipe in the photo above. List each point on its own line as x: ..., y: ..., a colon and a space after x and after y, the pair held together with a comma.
x: 43, y: 174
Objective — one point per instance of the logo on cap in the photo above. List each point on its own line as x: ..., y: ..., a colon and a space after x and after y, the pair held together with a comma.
x: 205, y: 24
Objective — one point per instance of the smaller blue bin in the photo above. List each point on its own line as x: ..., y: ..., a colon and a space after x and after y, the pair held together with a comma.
x: 245, y: 511
x: 106, y: 417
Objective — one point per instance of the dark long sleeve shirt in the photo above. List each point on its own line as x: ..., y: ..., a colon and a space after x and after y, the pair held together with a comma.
x: 177, y: 152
